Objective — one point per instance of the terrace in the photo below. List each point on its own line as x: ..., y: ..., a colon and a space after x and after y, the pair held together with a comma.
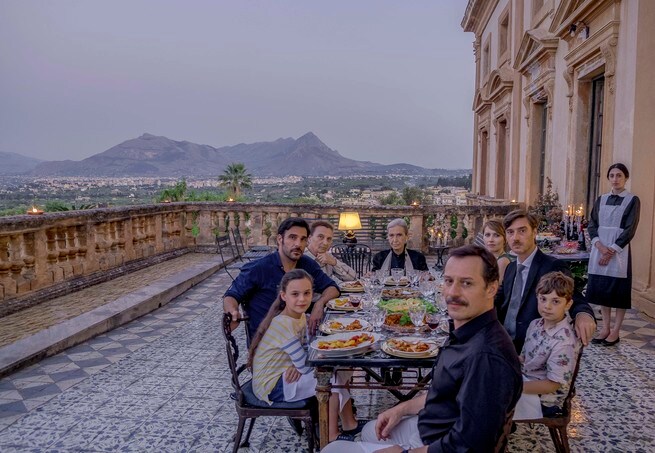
x: 129, y: 296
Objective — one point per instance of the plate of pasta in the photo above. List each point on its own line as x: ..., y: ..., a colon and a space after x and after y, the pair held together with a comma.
x: 338, y: 325
x: 344, y: 343
x: 411, y: 347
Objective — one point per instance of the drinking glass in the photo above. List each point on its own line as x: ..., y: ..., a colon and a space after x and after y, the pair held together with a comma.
x: 427, y: 289
x: 433, y: 320
x: 367, y: 302
x: 417, y: 315
x: 396, y: 274
x: 440, y: 302
x: 377, y: 317
x: 354, y: 301
x: 413, y: 277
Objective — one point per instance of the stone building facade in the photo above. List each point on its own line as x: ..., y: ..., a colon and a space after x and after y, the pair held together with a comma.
x: 564, y: 88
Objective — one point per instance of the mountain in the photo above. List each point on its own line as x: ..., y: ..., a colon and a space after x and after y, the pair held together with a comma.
x: 16, y: 164
x: 150, y: 155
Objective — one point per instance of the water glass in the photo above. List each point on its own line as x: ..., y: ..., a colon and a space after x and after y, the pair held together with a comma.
x: 396, y: 274
x: 377, y: 317
x: 413, y: 277
x: 440, y: 302
x: 417, y: 315
x: 367, y: 302
x: 426, y: 287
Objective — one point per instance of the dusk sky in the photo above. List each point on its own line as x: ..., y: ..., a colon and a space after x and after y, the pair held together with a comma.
x: 379, y: 80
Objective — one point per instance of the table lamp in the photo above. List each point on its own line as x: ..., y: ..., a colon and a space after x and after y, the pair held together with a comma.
x: 349, y: 222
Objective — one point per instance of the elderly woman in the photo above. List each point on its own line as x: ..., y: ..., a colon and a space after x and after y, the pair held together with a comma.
x: 399, y: 256
x: 612, y: 226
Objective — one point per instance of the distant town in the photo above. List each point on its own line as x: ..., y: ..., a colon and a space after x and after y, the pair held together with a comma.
x: 17, y: 193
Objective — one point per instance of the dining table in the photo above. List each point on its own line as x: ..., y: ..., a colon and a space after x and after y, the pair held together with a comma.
x: 416, y: 372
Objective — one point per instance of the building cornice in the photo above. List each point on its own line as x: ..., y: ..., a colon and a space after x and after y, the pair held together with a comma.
x: 477, y: 15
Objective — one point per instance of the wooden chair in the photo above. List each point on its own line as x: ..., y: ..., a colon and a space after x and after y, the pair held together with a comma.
x: 223, y: 247
x: 248, y: 406
x: 357, y: 256
x: 558, y: 424
x: 501, y: 445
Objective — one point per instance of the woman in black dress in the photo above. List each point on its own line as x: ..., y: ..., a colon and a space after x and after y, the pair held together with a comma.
x: 612, y: 226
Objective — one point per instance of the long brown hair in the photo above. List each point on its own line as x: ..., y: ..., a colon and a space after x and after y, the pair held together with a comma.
x: 276, y: 308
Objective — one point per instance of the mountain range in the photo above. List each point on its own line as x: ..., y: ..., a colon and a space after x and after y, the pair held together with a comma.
x: 157, y: 156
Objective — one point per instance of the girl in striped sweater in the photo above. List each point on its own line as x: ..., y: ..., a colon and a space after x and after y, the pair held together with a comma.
x: 279, y: 351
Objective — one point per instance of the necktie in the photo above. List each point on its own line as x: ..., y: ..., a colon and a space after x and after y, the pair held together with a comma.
x: 514, y: 302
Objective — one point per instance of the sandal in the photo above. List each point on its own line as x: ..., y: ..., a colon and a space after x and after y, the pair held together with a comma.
x: 357, y: 429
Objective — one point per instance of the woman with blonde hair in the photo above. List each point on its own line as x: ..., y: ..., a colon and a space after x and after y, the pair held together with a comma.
x: 495, y: 240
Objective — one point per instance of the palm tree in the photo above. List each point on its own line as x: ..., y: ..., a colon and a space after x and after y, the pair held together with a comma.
x: 235, y: 178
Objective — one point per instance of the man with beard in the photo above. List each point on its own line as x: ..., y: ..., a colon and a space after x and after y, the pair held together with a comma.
x: 256, y: 286
x: 516, y: 300
x: 476, y: 378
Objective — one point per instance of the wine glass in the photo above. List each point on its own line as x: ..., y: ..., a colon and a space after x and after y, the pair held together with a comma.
x: 354, y: 301
x: 417, y: 315
x: 367, y: 302
x: 426, y: 287
x: 377, y: 317
x: 440, y: 302
x: 433, y: 320
x: 396, y: 274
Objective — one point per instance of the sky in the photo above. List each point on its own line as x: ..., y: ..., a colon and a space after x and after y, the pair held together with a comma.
x: 379, y: 80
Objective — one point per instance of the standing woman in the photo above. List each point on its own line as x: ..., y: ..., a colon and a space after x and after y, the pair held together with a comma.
x: 495, y: 241
x: 612, y: 226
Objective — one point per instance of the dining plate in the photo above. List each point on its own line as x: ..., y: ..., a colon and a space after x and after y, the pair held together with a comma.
x: 345, y: 343
x: 352, y: 287
x: 400, y: 293
x: 404, y: 281
x: 411, y: 347
x: 342, y: 304
x: 347, y: 325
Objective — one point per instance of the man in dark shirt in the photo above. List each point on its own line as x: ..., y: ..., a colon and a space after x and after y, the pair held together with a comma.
x: 396, y: 257
x: 256, y: 286
x: 476, y: 378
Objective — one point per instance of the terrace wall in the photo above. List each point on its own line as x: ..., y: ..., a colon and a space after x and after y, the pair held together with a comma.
x: 53, y: 254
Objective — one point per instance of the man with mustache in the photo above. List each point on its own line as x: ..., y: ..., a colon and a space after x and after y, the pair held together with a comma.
x: 516, y: 300
x: 256, y: 286
x: 476, y: 378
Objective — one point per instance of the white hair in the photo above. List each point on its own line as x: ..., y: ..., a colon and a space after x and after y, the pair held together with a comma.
x: 398, y: 222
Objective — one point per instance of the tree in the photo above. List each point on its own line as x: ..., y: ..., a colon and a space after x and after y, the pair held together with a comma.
x: 413, y: 195
x: 235, y: 178
x: 175, y: 193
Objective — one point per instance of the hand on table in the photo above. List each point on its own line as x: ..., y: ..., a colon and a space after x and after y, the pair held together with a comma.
x: 315, y: 319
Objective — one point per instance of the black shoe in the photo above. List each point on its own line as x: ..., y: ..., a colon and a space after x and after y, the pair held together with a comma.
x: 610, y: 343
x: 598, y: 340
x: 296, y: 425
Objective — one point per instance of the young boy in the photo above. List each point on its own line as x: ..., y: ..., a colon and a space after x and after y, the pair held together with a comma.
x: 550, y: 351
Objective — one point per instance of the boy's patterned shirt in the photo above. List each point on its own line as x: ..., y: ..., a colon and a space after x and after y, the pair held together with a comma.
x: 551, y: 354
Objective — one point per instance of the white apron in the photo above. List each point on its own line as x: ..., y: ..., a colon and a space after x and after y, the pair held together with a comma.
x: 386, y: 265
x: 609, y: 229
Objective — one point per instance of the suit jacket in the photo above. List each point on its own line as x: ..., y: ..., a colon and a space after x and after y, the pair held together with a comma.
x: 541, y: 265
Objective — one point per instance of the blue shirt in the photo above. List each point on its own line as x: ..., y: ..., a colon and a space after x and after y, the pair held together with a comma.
x: 256, y: 286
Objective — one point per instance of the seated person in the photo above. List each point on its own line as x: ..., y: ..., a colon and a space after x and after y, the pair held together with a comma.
x: 550, y: 351
x: 396, y: 257
x: 319, y: 242
x: 279, y: 351
x: 465, y: 408
x: 256, y: 286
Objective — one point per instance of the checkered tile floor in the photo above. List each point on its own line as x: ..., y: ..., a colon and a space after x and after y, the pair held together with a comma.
x: 160, y: 383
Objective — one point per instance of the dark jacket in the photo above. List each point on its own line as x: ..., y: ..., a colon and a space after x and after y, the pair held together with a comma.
x: 541, y: 265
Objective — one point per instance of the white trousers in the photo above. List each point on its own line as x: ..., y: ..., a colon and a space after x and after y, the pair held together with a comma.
x: 305, y: 387
x: 528, y: 407
x: 404, y: 434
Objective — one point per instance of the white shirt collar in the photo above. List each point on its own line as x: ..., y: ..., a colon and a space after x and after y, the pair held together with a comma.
x: 528, y: 260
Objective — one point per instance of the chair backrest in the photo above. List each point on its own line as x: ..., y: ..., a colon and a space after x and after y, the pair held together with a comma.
x: 566, y: 407
x: 223, y: 246
x: 232, y: 350
x: 238, y: 242
x: 479, y: 240
x: 357, y: 256
x: 504, y: 435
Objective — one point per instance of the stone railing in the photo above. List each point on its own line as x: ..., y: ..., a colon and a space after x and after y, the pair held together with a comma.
x: 66, y: 249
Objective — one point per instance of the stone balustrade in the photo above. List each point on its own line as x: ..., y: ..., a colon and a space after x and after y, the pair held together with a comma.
x: 65, y: 249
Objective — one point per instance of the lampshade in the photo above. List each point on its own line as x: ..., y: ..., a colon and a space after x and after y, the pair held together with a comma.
x: 349, y: 221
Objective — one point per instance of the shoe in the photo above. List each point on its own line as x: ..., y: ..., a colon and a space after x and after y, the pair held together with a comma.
x: 346, y: 437
x: 611, y: 343
x: 357, y: 430
x: 296, y: 425
x: 598, y: 340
